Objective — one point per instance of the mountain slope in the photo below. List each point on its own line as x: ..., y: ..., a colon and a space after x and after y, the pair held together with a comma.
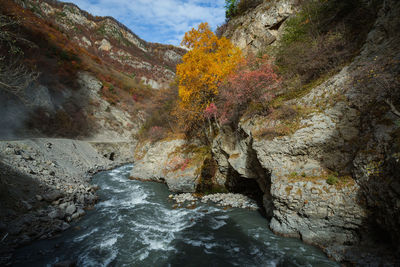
x: 95, y: 74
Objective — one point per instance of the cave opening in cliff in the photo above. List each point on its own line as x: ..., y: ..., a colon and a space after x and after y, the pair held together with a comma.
x: 248, y: 187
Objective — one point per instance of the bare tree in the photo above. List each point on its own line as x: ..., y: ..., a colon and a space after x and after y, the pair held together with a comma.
x: 15, y: 76
x: 393, y: 108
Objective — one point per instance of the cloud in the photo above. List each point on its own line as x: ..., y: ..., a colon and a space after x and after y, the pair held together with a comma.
x: 162, y: 21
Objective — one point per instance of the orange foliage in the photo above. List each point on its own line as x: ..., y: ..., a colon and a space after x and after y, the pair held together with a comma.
x: 205, y: 66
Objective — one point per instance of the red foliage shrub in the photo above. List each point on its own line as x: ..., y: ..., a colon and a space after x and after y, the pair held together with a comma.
x: 255, y: 81
x: 185, y: 164
x: 178, y: 163
x: 211, y: 111
x: 156, y: 133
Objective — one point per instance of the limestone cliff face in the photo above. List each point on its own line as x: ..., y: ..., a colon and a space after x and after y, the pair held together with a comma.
x: 348, y: 129
x: 113, y: 123
x: 347, y: 132
x: 261, y: 26
x: 175, y: 162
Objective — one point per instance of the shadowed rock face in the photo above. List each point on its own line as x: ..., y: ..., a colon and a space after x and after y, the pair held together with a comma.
x: 40, y: 116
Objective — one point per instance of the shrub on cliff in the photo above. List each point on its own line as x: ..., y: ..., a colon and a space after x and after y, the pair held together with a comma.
x: 204, y: 67
x: 230, y: 8
x: 255, y: 82
x: 235, y: 8
x: 323, y: 37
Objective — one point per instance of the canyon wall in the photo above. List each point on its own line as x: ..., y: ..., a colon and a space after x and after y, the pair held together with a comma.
x: 334, y: 180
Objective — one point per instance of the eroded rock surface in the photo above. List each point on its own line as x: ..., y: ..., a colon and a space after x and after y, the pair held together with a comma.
x: 347, y: 132
x: 174, y: 162
x: 261, y: 26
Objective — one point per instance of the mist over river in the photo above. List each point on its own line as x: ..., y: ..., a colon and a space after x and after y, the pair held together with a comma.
x: 134, y: 224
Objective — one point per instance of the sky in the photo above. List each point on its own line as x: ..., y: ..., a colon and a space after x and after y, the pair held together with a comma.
x: 161, y: 21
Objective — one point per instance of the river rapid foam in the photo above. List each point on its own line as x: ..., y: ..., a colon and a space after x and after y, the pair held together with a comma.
x: 135, y: 224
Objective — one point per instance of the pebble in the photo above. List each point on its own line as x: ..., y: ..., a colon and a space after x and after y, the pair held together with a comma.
x: 75, y: 216
x: 65, y: 226
x: 27, y: 205
x: 220, y: 199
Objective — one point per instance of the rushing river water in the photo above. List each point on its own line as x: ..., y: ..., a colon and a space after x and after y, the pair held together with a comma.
x: 134, y: 225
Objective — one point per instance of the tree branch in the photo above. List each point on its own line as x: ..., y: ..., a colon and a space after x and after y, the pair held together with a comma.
x: 393, y: 108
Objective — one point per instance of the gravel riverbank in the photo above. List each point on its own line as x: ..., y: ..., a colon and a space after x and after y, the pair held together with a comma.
x: 44, y: 186
x: 220, y: 199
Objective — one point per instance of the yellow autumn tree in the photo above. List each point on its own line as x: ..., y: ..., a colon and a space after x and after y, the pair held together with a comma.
x: 209, y: 61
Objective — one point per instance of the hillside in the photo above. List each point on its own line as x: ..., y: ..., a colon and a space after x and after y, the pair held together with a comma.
x: 95, y: 75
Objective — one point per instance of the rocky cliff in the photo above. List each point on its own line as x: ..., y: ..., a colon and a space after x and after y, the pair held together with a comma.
x: 349, y: 130
x: 332, y: 180
x: 179, y: 165
x: 261, y: 26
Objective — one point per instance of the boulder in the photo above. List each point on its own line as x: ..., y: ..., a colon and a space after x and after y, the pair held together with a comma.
x: 52, y: 196
x: 70, y: 209
x: 56, y: 214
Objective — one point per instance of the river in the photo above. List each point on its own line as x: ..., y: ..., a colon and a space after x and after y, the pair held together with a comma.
x: 134, y: 224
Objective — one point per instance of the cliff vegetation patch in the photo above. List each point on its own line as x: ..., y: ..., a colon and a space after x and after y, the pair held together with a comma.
x: 321, y: 39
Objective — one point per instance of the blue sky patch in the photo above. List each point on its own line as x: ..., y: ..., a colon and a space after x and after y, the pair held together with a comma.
x: 163, y: 21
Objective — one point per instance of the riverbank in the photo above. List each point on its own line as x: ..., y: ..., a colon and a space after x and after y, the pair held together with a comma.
x: 226, y: 200
x: 45, y: 186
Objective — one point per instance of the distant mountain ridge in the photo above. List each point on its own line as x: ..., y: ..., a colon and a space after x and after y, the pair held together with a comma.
x: 111, y: 41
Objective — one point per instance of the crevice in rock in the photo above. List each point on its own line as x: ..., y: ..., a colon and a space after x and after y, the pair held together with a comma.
x: 263, y: 179
x: 207, y: 174
x: 257, y: 187
x: 110, y: 156
x: 277, y: 25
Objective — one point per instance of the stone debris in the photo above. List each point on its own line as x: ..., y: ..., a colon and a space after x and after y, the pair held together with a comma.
x: 220, y: 199
x: 55, y: 176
